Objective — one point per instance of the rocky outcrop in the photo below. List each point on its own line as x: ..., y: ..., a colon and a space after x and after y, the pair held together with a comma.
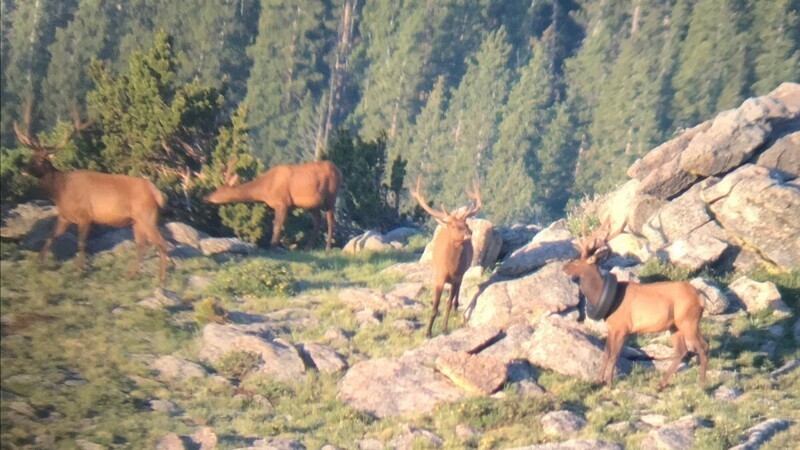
x: 551, y: 244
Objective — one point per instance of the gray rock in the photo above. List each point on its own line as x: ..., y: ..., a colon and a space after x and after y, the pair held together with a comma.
x: 783, y: 156
x: 369, y: 444
x: 715, y: 300
x: 616, y: 206
x: 391, y: 387
x: 412, y: 437
x: 789, y: 367
x: 325, y: 358
x: 87, y: 445
x: 281, y: 361
x: 789, y: 95
x: 759, y: 296
x: 695, y: 251
x: 486, y: 242
x: 467, y: 432
x: 110, y: 240
x: 677, y: 219
x: 401, y: 234
x: 477, y: 374
x: 512, y: 345
x: 667, y: 181
x: 469, y: 340
x: 370, y: 240
x: 170, y: 442
x: 727, y: 394
x: 165, y: 406
x: 205, y: 438
x: 213, y: 246
x: 368, y: 318
x: 515, y: 237
x: 173, y: 368
x: 731, y: 140
x: 755, y: 436
x: 560, y: 345
x: 562, y: 423
x: 180, y: 233
x: 760, y: 211
x: 554, y: 243
x: 526, y: 299
x: 664, y: 153
x: 277, y: 443
x: 668, y: 438
x: 26, y: 218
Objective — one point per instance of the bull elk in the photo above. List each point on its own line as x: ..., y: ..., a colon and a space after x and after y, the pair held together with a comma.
x: 452, y: 251
x: 634, y: 308
x: 309, y: 186
x: 84, y: 197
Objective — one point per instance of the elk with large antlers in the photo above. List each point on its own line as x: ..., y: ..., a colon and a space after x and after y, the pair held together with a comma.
x: 634, y: 308
x: 84, y: 197
x: 452, y: 251
x: 309, y: 186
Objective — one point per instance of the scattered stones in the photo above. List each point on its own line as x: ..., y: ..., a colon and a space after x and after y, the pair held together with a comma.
x: 277, y: 443
x: 574, y: 444
x: 789, y: 367
x: 562, y: 423
x: 755, y: 436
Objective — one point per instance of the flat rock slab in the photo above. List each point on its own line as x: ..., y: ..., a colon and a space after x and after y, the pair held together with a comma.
x: 755, y: 436
x: 695, y: 252
x: 213, y: 246
x: 561, y: 346
x: 467, y: 340
x: 554, y: 243
x: 391, y: 387
x: 171, y: 367
x: 324, y: 358
x: 476, y: 374
x: 562, y: 423
x: 280, y: 360
x: 526, y: 299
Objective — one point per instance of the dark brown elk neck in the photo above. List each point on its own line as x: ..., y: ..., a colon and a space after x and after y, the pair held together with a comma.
x: 591, y: 284
x: 51, y: 184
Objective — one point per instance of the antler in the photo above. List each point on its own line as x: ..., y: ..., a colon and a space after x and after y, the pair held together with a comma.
x: 443, y: 216
x: 231, y: 179
x: 599, y: 239
x: 474, y: 194
x: 35, y: 144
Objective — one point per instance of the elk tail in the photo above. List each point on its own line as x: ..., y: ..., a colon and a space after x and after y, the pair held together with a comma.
x: 158, y: 196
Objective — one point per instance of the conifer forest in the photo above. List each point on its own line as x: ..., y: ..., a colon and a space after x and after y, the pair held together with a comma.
x: 542, y: 101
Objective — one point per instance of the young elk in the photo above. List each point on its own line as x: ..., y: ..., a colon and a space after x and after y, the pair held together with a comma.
x: 84, y: 197
x: 308, y: 186
x: 452, y: 251
x: 638, y: 308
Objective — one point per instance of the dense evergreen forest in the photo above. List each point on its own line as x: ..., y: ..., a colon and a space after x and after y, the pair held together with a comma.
x: 543, y: 101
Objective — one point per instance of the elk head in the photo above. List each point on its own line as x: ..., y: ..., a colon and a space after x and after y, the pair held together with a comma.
x: 591, y: 249
x: 454, y: 223
x: 226, y: 192
x: 41, y: 163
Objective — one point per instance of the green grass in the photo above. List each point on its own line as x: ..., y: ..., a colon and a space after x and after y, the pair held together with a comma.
x: 75, y: 353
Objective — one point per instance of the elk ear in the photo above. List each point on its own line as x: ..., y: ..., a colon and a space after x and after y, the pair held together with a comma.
x: 599, y: 255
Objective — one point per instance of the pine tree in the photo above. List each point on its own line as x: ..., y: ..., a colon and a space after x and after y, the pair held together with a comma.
x: 473, y: 116
x: 557, y: 156
x: 511, y: 178
x: 712, y: 73
x: 776, y: 43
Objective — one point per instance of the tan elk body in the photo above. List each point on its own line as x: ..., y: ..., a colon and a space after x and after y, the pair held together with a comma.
x: 84, y: 197
x: 641, y: 308
x: 309, y: 186
x: 452, y: 252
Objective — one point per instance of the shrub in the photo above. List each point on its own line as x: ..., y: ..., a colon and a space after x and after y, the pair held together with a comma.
x: 257, y: 277
x: 237, y: 364
x: 208, y: 310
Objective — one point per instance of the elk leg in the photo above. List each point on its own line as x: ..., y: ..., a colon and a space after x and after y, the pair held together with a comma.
x: 437, y: 296
x: 617, y: 340
x: 679, y: 343
x: 701, y: 347
x: 141, y: 244
x: 451, y: 299
x: 83, y: 233
x: 329, y: 214
x: 154, y: 236
x: 277, y: 226
x: 604, y: 363
x: 58, y: 230
x: 316, y: 218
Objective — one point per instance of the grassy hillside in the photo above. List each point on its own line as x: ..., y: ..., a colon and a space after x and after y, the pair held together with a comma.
x: 75, y: 349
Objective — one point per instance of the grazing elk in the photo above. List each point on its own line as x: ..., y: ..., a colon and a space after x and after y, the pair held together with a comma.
x: 452, y: 251
x: 308, y: 186
x: 636, y: 308
x: 84, y: 197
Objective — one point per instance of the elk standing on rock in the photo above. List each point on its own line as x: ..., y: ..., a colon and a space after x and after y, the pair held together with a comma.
x: 308, y: 186
x: 638, y: 308
x: 452, y: 251
x: 84, y: 197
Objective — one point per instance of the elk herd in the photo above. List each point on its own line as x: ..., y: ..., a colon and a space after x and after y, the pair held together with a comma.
x: 84, y: 197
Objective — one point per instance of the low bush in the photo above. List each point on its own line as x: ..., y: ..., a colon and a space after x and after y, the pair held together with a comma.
x: 256, y: 277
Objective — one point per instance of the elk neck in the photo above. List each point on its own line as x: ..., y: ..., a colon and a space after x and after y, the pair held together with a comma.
x: 591, y: 284
x: 51, y: 183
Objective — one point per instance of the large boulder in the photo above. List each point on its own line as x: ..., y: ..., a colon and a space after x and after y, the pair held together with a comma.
x: 760, y: 211
x: 20, y: 221
x: 758, y: 296
x: 695, y: 251
x: 525, y: 299
x: 676, y: 219
x: 716, y: 302
x: 664, y: 153
x: 476, y: 374
x: 560, y: 345
x: 390, y: 387
x: 370, y: 240
x: 180, y: 233
x: 554, y: 243
x: 213, y: 245
x: 783, y: 156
